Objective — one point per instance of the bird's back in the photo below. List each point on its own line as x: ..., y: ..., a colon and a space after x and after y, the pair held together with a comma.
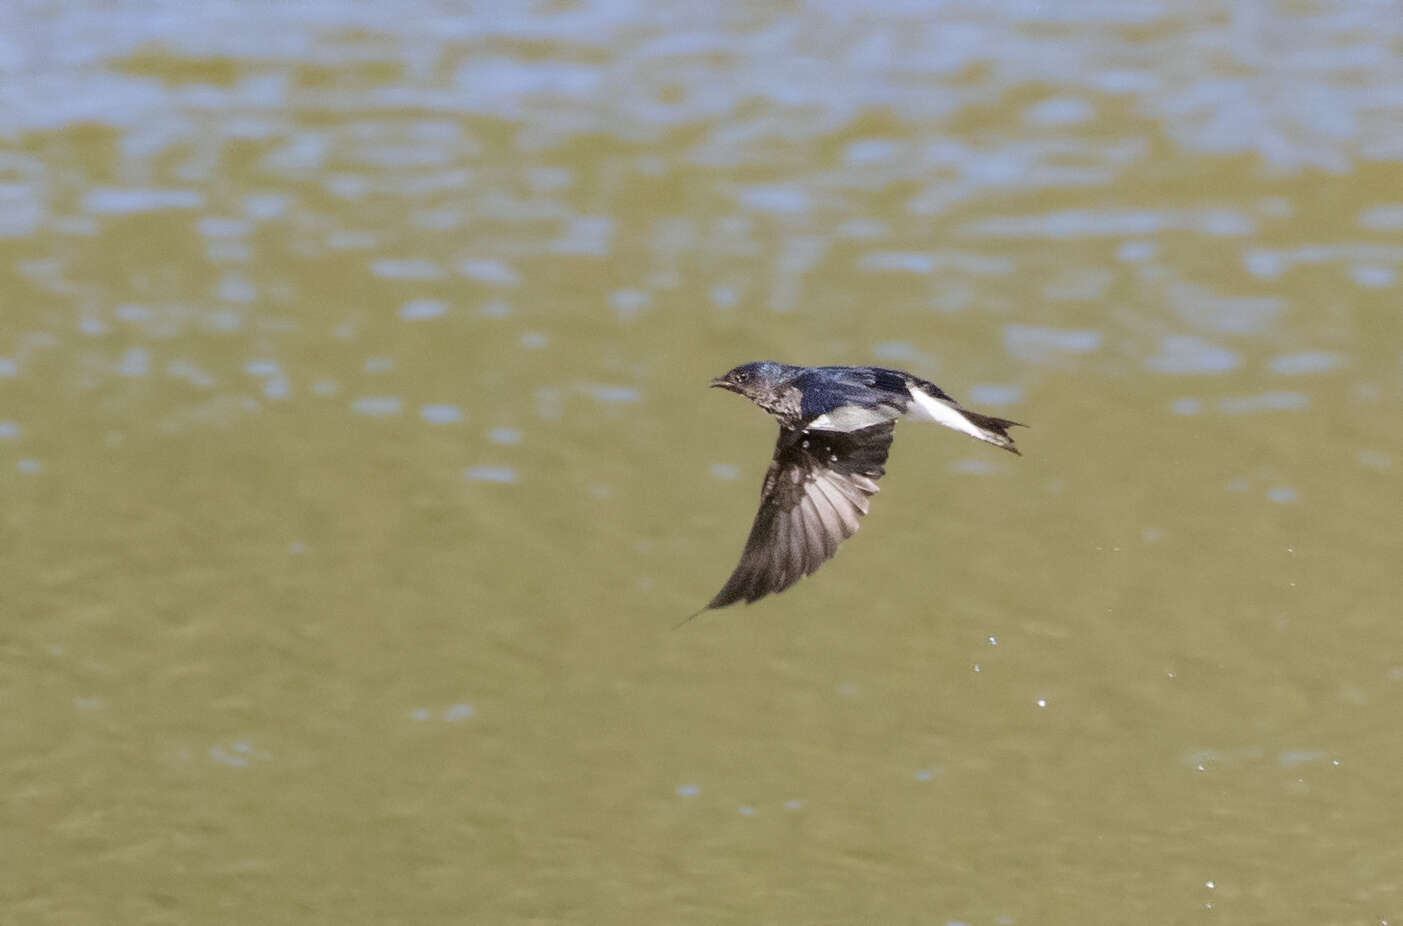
x: 827, y: 388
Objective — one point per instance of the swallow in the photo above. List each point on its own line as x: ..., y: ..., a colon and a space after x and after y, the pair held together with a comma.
x: 835, y: 428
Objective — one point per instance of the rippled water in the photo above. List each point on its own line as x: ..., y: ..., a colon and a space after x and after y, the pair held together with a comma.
x: 356, y: 461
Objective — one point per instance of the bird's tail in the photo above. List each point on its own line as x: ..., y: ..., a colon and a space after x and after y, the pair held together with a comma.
x: 994, y: 430
x: 929, y: 403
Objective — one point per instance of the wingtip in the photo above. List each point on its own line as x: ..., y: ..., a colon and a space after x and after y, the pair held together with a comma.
x: 691, y: 617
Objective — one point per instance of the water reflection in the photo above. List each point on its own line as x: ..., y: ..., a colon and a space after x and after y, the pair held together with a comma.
x: 1279, y: 400
x: 1164, y: 234
x: 1185, y: 355
x: 1035, y: 343
x: 377, y: 406
x: 487, y: 473
x: 443, y: 413
x: 1305, y: 362
x: 508, y: 436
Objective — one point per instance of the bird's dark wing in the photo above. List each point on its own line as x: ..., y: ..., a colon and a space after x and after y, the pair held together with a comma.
x: 815, y: 491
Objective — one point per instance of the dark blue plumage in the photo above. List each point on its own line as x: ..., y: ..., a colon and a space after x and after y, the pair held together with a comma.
x: 836, y: 427
x: 823, y: 389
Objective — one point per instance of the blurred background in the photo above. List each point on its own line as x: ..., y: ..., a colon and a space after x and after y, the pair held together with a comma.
x: 356, y: 460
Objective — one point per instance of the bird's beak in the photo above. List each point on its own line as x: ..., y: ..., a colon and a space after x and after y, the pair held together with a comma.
x: 722, y: 382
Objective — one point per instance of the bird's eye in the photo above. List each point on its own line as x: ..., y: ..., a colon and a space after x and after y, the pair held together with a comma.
x: 742, y: 376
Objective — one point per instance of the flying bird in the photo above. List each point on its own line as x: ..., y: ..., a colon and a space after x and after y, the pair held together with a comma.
x: 835, y: 428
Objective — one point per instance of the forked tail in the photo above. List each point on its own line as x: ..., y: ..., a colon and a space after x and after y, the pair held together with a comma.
x: 930, y: 403
x: 994, y: 430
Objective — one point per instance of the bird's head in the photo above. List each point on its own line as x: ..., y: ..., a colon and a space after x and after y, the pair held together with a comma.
x: 755, y: 381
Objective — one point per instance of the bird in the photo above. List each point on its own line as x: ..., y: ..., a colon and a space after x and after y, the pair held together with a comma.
x: 835, y: 428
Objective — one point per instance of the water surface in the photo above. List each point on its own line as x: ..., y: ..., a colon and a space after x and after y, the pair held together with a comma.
x: 356, y: 461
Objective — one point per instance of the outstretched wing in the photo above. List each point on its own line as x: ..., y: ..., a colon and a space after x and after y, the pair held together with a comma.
x: 815, y: 491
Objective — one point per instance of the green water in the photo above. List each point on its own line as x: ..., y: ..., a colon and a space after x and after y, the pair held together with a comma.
x: 356, y: 461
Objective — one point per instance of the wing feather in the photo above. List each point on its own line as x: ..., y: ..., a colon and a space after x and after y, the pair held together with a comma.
x: 789, y: 552
x: 820, y: 539
x: 844, y: 510
x: 816, y: 491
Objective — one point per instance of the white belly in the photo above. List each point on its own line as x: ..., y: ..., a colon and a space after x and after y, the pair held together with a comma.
x: 853, y: 418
